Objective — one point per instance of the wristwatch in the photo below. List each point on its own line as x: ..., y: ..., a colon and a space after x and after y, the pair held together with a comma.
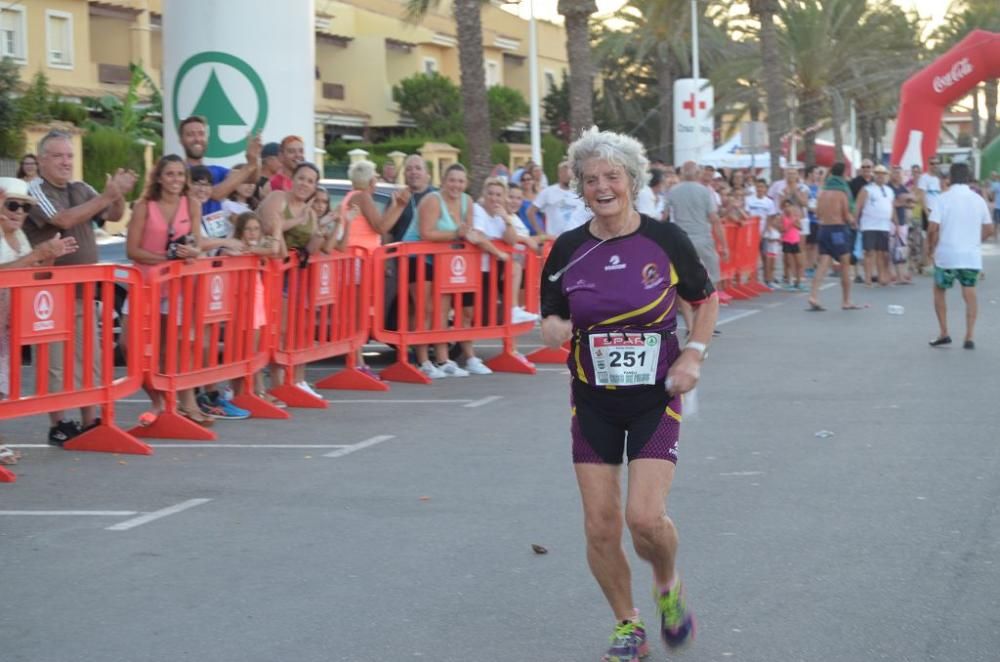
x: 699, y: 347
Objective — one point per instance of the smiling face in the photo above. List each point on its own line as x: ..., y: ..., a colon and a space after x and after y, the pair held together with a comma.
x: 415, y: 174
x: 55, y: 162
x: 194, y: 138
x: 201, y: 190
x: 454, y: 183
x: 607, y: 188
x: 292, y: 154
x: 304, y: 183
x: 30, y: 166
x: 173, y: 177
x: 494, y: 200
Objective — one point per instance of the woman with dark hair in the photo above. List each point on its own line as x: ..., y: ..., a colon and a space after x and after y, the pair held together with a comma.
x: 166, y: 225
x: 288, y: 216
x: 27, y: 169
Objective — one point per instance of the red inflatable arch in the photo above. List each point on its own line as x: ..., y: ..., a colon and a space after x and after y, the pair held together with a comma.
x: 927, y: 94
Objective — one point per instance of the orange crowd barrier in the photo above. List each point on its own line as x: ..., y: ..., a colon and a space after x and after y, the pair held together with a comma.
x: 58, y: 313
x: 548, y: 355
x: 420, y: 302
x: 739, y: 272
x: 321, y: 310
x: 199, y: 328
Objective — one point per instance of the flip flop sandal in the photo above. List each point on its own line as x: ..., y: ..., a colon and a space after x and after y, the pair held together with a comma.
x: 199, y: 418
x: 815, y: 308
x: 938, y: 342
x: 853, y: 306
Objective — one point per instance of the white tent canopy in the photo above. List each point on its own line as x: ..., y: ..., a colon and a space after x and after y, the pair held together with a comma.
x: 731, y: 155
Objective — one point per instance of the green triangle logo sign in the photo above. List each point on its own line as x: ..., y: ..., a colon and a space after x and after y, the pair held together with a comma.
x: 214, y: 103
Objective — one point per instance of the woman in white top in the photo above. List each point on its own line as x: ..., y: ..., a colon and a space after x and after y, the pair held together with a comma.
x: 17, y: 253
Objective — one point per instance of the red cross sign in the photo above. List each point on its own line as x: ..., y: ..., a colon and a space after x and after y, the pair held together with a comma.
x: 689, y: 104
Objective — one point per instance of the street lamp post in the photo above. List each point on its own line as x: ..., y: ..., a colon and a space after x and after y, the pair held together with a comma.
x: 536, y: 124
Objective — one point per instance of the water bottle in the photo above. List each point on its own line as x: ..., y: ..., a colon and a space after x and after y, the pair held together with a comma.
x: 895, y: 310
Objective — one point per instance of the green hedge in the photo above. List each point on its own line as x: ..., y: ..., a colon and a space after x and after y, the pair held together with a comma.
x: 105, y: 150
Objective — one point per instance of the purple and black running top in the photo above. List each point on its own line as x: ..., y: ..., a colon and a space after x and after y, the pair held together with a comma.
x: 623, y: 292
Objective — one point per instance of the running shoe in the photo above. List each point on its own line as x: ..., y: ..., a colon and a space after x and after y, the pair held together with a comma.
x: 208, y: 406
x: 233, y: 413
x: 476, y: 366
x: 431, y: 370
x: 63, y: 431
x: 677, y: 624
x: 628, y: 643
x: 451, y: 369
x: 304, y: 386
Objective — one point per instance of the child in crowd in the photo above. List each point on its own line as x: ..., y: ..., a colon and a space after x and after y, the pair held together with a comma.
x: 791, y: 226
x: 241, y: 200
x: 249, y: 232
x: 772, y: 248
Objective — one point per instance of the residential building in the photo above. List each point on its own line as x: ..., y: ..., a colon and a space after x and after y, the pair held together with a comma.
x: 363, y: 48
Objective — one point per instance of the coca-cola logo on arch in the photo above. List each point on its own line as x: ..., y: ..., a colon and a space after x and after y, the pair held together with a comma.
x: 958, y: 71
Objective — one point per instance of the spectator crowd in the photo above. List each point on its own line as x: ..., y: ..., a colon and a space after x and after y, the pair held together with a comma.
x: 274, y: 204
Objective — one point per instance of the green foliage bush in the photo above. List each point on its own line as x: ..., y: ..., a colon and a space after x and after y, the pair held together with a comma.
x: 104, y: 151
x: 431, y: 100
x: 553, y: 151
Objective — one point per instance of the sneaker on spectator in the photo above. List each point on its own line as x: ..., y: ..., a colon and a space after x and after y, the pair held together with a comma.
x: 475, y: 366
x: 366, y: 370
x: 451, y: 369
x: 233, y: 413
x: 303, y: 385
x: 63, y: 431
x: 209, y: 407
x: 431, y: 370
x: 519, y: 315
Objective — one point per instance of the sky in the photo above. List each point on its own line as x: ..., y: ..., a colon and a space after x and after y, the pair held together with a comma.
x: 934, y: 10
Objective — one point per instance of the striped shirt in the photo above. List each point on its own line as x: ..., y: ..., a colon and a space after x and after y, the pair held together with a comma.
x: 52, y: 200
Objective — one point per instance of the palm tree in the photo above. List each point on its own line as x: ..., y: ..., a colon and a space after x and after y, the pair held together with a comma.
x: 476, y: 112
x: 774, y: 66
x: 577, y: 14
x: 657, y: 34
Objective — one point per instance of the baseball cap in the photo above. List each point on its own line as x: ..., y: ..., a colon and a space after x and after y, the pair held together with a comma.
x: 270, y: 149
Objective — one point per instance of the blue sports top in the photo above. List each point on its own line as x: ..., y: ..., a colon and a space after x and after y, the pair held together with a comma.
x: 627, y: 285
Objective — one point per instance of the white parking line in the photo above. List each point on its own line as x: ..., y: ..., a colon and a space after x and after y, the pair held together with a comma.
x: 397, y: 402
x: 736, y: 316
x: 484, y: 401
x: 71, y: 513
x: 347, y: 450
x: 196, y: 445
x: 156, y: 514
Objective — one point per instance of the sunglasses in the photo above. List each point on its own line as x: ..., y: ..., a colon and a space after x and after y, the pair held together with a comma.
x: 14, y: 205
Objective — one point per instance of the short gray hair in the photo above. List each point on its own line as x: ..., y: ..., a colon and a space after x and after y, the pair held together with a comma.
x: 615, y: 148
x: 361, y: 174
x: 55, y: 134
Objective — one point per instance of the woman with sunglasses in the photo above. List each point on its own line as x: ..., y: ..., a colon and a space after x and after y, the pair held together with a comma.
x: 17, y: 253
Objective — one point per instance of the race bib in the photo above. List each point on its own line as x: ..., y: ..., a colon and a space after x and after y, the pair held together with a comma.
x: 216, y: 225
x: 625, y: 359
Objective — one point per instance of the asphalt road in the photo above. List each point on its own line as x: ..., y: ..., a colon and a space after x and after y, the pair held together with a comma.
x: 413, y: 541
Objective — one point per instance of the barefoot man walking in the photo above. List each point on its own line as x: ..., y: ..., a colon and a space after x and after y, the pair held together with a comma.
x: 833, y: 209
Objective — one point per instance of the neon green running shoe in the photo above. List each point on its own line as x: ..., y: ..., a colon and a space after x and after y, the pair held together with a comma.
x: 628, y: 643
x: 677, y: 623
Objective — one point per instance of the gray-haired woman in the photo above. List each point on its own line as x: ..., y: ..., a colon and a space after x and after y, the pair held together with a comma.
x: 612, y: 287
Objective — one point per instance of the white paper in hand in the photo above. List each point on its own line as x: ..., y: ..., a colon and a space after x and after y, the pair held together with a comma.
x: 689, y: 404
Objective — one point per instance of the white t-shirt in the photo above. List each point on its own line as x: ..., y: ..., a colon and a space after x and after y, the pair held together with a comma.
x: 492, y: 226
x: 931, y: 186
x: 650, y: 204
x: 563, y: 209
x: 879, y: 208
x: 960, y: 212
x: 763, y: 208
